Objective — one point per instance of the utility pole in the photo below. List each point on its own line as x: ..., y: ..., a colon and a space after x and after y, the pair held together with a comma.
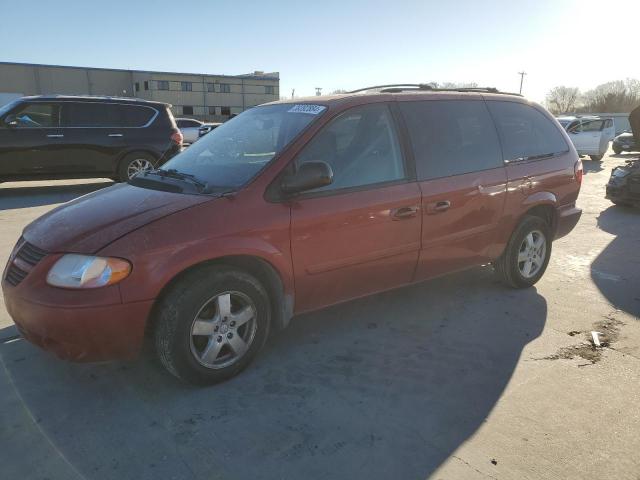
x: 522, y: 74
x: 293, y: 92
x: 318, y: 91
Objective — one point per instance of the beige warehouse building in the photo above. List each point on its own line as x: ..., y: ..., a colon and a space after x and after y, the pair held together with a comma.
x: 201, y: 96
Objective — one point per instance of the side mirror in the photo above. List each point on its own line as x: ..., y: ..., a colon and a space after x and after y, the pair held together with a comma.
x: 310, y: 175
x: 11, y: 121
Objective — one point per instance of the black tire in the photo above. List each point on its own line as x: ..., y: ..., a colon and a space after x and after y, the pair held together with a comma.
x: 177, y: 311
x: 507, y: 266
x: 596, y: 158
x: 617, y: 150
x: 131, y: 158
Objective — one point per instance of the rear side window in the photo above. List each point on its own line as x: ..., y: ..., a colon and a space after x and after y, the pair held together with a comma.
x: 106, y: 115
x: 451, y: 137
x: 525, y: 132
x: 90, y: 114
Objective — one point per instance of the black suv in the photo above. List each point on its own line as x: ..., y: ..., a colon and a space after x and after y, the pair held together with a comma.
x: 49, y: 137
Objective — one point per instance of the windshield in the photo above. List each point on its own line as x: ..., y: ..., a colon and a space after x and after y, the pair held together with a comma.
x: 5, y: 108
x: 236, y: 151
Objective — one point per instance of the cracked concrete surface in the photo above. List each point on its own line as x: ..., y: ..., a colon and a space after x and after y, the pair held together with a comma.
x: 458, y: 378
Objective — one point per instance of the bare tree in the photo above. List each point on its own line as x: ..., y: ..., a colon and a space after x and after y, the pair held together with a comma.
x: 338, y: 90
x: 563, y: 99
x: 617, y: 96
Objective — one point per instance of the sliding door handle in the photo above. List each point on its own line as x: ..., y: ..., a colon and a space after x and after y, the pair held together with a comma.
x: 115, y: 135
x: 404, y: 212
x: 438, y: 207
x: 56, y: 135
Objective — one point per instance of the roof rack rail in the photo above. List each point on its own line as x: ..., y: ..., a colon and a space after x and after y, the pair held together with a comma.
x: 402, y: 87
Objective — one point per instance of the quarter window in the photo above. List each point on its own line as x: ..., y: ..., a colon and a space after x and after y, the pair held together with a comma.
x: 451, y: 137
x: 135, y: 116
x: 360, y: 145
x: 38, y: 115
x: 524, y: 131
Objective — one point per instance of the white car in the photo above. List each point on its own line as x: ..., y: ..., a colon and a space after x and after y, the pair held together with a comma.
x: 590, y: 135
x: 190, y: 128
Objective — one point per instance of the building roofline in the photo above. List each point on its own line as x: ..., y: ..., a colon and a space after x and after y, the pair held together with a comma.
x: 242, y: 76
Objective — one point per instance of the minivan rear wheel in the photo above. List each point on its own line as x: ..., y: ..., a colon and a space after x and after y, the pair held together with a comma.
x: 527, y: 254
x: 211, y: 324
x: 134, y: 163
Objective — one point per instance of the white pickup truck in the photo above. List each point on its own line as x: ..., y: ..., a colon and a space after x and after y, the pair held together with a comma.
x: 590, y: 135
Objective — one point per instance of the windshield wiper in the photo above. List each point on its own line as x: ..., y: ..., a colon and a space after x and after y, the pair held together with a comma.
x: 173, y: 173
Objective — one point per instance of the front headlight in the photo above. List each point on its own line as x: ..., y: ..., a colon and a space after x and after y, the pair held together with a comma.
x: 85, y: 271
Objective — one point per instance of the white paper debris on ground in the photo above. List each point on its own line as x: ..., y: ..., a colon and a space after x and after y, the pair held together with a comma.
x: 596, y: 338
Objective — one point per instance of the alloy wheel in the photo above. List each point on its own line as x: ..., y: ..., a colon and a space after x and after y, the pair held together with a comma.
x: 223, y: 330
x: 531, y: 254
x: 138, y: 165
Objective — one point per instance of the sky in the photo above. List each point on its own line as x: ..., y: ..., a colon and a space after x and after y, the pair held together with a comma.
x: 338, y: 44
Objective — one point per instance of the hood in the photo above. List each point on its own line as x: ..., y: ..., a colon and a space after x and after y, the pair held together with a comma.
x: 634, y: 120
x: 90, y: 222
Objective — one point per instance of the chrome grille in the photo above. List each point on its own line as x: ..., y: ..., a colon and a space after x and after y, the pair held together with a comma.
x: 27, y: 256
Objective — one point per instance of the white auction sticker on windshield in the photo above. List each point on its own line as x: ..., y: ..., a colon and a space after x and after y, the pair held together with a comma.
x: 307, y: 108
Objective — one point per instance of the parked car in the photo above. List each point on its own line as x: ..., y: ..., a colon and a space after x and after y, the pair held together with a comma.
x: 206, y: 128
x: 191, y: 129
x: 49, y: 137
x: 625, y: 142
x: 590, y: 135
x: 623, y: 187
x: 290, y: 207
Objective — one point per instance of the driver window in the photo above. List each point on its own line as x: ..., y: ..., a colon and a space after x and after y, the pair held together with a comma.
x: 38, y: 115
x: 360, y: 145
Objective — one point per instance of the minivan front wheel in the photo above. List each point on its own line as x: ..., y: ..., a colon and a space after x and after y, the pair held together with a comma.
x: 134, y: 163
x: 527, y: 254
x: 211, y: 324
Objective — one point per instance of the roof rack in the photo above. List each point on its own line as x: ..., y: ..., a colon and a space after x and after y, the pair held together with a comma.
x: 403, y: 87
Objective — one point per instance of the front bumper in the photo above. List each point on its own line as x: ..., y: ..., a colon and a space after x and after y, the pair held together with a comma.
x: 567, y: 218
x: 88, y: 334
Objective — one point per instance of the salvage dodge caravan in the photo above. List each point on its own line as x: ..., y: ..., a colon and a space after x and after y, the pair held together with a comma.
x: 290, y: 207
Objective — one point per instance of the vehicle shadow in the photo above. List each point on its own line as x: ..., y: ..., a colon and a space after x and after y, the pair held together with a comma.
x: 35, y: 196
x: 616, y: 271
x: 384, y: 387
x: 591, y: 166
x: 625, y: 155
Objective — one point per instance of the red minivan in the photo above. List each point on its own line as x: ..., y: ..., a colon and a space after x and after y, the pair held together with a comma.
x: 290, y: 207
